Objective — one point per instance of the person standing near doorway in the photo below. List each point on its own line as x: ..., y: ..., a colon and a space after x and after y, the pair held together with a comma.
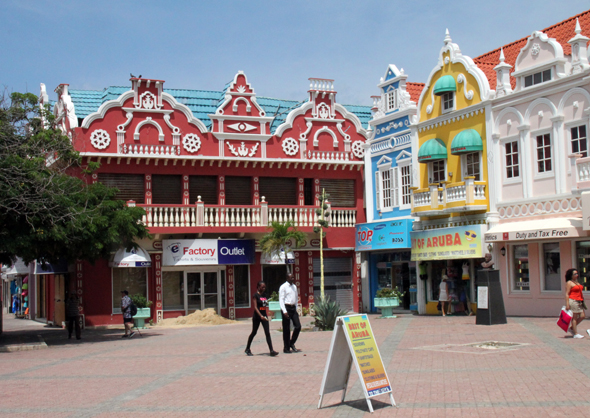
x: 127, y: 318
x: 73, y: 316
x: 288, y: 301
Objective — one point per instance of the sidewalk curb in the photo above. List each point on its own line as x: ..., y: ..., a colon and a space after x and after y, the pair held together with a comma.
x: 11, y: 348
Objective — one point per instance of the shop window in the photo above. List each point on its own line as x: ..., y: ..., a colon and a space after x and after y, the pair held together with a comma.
x: 166, y: 189
x: 437, y: 171
x: 552, y: 266
x: 133, y: 279
x: 173, y: 290
x: 406, y: 181
x: 512, y: 163
x: 544, y: 153
x: 583, y: 265
x: 521, y: 267
x: 242, y: 286
x: 579, y: 140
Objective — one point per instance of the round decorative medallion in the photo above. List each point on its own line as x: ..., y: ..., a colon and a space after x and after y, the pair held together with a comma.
x: 191, y: 142
x: 100, y: 139
x: 290, y: 146
x: 358, y: 150
x: 535, y: 49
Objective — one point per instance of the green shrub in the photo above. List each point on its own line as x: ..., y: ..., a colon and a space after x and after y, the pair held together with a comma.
x: 326, y: 312
x: 305, y: 311
x: 274, y: 297
x: 388, y: 292
x: 140, y: 301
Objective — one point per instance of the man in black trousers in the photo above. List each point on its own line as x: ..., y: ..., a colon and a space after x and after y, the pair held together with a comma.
x: 288, y: 301
x: 73, y: 316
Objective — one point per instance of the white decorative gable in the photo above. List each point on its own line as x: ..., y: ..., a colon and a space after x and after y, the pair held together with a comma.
x: 539, y: 54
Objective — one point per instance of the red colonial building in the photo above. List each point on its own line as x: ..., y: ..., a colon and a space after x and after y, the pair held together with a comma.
x: 212, y: 169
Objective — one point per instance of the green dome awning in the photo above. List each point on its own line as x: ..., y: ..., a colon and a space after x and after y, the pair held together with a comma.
x: 468, y: 140
x: 433, y: 149
x: 445, y: 84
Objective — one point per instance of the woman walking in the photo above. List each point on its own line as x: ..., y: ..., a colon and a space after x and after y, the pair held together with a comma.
x: 260, y: 317
x: 443, y: 294
x: 574, y: 301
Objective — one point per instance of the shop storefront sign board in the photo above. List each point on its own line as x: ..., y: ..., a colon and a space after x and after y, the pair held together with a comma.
x: 353, y: 342
x: 448, y: 243
x: 383, y: 235
x: 191, y: 252
x: 537, y: 230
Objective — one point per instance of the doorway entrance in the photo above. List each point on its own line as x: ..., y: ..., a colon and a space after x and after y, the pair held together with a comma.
x: 203, y: 290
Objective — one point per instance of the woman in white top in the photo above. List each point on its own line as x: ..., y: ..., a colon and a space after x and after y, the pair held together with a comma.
x: 443, y: 294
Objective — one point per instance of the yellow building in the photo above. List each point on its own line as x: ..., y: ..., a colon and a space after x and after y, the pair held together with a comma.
x: 452, y: 193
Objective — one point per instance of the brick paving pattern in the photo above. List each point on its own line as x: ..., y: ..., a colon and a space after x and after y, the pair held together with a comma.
x: 432, y: 363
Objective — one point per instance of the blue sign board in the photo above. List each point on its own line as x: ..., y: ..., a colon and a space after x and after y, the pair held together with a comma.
x: 383, y: 235
x: 233, y: 251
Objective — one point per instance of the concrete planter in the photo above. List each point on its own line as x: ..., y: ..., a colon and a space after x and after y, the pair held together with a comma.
x: 275, y: 308
x: 386, y: 305
x: 142, y: 315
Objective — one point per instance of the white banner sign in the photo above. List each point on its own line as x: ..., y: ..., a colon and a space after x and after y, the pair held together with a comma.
x: 185, y: 252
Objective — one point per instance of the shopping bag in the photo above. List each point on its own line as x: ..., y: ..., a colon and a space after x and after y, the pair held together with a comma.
x: 565, y: 317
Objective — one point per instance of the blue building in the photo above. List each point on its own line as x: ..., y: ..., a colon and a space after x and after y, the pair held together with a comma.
x: 384, y: 240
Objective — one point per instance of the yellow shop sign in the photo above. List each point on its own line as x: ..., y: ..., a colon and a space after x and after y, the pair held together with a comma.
x: 448, y: 243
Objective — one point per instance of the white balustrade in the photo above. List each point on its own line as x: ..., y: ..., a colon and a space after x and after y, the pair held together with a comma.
x: 583, y: 169
x: 456, y: 193
x: 152, y: 150
x: 480, y: 192
x: 329, y: 155
x: 422, y: 199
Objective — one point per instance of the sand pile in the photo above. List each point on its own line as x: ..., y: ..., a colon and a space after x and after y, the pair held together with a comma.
x: 198, y: 318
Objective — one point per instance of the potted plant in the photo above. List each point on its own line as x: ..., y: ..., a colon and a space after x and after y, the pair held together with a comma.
x: 143, y: 310
x: 386, y: 299
x: 275, y: 307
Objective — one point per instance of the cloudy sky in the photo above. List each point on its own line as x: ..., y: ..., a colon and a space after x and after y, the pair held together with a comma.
x: 279, y: 44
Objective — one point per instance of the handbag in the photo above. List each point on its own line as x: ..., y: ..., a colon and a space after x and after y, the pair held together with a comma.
x: 565, y: 317
x: 438, y: 307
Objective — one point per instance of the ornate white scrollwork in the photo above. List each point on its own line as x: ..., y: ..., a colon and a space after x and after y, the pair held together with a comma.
x: 148, y: 100
x: 243, y: 151
x: 290, y: 146
x: 358, y: 150
x: 535, y: 49
x: 468, y: 93
x: 100, y: 139
x: 323, y: 111
x: 191, y: 142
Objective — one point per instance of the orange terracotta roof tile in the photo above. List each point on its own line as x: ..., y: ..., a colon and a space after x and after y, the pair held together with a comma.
x: 415, y: 89
x: 562, y: 32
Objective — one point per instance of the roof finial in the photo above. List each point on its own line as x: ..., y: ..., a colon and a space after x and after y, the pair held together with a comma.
x: 578, y: 28
x: 502, y: 55
x: 447, y: 37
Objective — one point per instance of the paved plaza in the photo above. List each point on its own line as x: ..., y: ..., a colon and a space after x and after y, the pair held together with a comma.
x: 437, y: 367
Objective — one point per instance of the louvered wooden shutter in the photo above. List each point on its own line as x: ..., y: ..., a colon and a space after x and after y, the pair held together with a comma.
x: 279, y: 190
x: 377, y: 188
x: 131, y: 186
x: 204, y: 186
x: 166, y: 189
x: 341, y: 192
x: 395, y: 186
x: 238, y: 190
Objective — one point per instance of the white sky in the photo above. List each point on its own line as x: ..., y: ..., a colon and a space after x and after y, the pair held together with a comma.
x: 279, y: 44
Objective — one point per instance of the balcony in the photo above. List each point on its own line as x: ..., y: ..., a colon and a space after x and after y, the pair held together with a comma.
x: 582, y: 167
x: 261, y: 216
x: 446, y: 198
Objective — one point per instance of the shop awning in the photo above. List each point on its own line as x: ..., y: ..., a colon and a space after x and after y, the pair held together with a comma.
x: 433, y: 149
x: 536, y: 230
x: 61, y: 267
x: 468, y: 140
x: 19, y: 267
x: 137, y: 257
x: 445, y: 84
x: 278, y: 258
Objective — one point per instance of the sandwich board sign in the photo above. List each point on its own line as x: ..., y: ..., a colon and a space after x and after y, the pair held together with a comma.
x: 353, y: 342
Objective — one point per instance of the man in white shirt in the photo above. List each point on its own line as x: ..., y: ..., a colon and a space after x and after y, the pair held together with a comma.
x: 288, y: 301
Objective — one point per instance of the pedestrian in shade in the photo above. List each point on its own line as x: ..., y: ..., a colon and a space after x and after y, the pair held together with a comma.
x: 73, y: 316
x: 260, y: 316
x: 288, y: 301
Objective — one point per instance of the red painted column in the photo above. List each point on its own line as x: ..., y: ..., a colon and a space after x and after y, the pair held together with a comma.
x: 221, y: 188
x: 148, y: 189
x: 310, y: 279
x: 159, y: 307
x: 301, y: 190
x: 79, y: 289
x: 357, y: 288
x: 230, y: 292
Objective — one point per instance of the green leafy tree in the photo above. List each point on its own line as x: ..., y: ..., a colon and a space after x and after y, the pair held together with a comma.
x: 279, y: 239
x: 47, y: 209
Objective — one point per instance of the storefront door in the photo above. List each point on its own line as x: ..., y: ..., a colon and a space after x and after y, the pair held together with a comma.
x: 202, y: 291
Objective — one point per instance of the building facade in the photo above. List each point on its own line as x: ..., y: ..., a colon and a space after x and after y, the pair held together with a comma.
x: 213, y: 169
x: 385, y: 239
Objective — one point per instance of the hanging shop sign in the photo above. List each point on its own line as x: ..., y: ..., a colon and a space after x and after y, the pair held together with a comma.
x: 136, y: 257
x: 383, y: 235
x: 353, y: 341
x: 191, y: 252
x: 448, y: 243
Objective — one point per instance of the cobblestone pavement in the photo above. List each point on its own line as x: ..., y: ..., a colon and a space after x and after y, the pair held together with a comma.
x: 202, y: 371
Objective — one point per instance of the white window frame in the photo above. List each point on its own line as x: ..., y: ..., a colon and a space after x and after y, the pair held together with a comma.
x: 402, y: 166
x: 464, y: 165
x: 543, y: 174
x: 544, y: 272
x: 431, y: 171
x: 391, y: 100
x: 573, y: 125
x: 541, y: 72
x: 505, y: 178
x: 446, y: 97
x: 386, y: 187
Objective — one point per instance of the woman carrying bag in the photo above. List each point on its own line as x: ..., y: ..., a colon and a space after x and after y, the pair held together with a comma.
x: 574, y: 301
